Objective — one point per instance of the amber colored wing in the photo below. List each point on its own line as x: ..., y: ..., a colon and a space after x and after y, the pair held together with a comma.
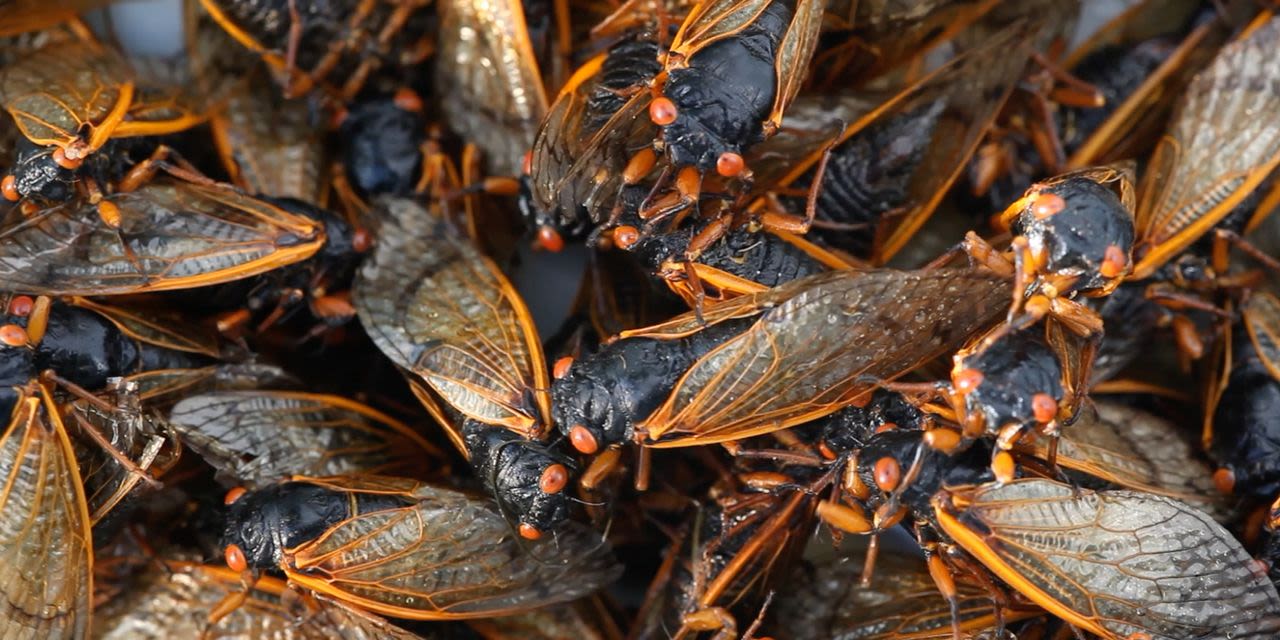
x: 158, y: 327
x: 161, y: 388
x: 973, y: 89
x: 46, y: 551
x: 55, y: 91
x: 1117, y: 562
x: 261, y: 437
x: 795, y: 51
x: 1262, y: 320
x: 486, y: 65
x: 901, y: 603
x: 173, y: 235
x: 712, y: 20
x: 1136, y: 450
x: 268, y: 144
x: 593, y: 176
x: 825, y: 346
x: 174, y: 600
x: 1136, y: 122
x: 437, y: 307
x: 448, y: 556
x: 1216, y: 151
x: 894, y: 32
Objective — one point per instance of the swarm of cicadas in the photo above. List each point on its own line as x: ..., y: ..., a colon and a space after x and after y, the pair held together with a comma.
x: 937, y: 319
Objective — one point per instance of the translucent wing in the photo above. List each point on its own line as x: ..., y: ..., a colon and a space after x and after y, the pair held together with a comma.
x: 1262, y: 320
x: 131, y: 433
x: 175, y: 599
x: 1136, y: 450
x: 1114, y: 563
x: 972, y: 89
x: 261, y: 437
x: 902, y: 602
x: 449, y: 556
x: 46, y: 553
x: 437, y: 307
x: 268, y: 144
x: 825, y: 346
x: 713, y: 20
x: 157, y: 327
x: 1216, y: 151
x: 173, y: 235
x: 56, y: 90
x: 794, y: 53
x: 487, y: 66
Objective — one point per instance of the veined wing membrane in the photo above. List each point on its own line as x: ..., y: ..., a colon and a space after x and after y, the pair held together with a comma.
x: 1114, y: 563
x: 437, y: 307
x: 178, y: 235
x: 824, y: 347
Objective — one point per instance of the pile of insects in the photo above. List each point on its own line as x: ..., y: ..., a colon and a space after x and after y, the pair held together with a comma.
x: 928, y: 319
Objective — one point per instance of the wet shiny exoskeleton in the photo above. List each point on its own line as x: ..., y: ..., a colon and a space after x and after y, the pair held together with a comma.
x: 725, y: 94
x: 1018, y: 381
x: 381, y: 146
x: 1246, y: 423
x: 1081, y: 228
x: 597, y: 403
x: 82, y: 347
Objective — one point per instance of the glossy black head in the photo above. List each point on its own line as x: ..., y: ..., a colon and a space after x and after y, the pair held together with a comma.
x: 518, y: 473
x: 266, y: 522
x: 1078, y: 227
x: 381, y: 147
x: 36, y: 175
x: 725, y: 93
x: 1017, y: 381
x: 1246, y: 424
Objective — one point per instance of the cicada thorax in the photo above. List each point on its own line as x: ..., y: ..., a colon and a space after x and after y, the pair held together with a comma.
x: 1131, y: 320
x: 527, y: 478
x: 381, y: 144
x: 1079, y: 228
x: 339, y: 44
x: 81, y: 346
x: 722, y: 95
x: 264, y: 524
x: 1014, y: 384
x: 599, y: 399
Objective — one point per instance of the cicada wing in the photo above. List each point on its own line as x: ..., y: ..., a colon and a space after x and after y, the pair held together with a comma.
x: 261, y: 437
x: 795, y: 51
x: 1262, y: 320
x: 970, y: 94
x: 449, y: 556
x: 437, y: 307
x: 901, y: 603
x: 133, y: 446
x: 823, y: 348
x: 174, y: 600
x: 1216, y: 150
x: 56, y: 91
x: 491, y: 74
x: 173, y: 235
x: 713, y: 20
x: 157, y: 327
x: 1117, y: 563
x: 46, y: 550
x: 1134, y: 449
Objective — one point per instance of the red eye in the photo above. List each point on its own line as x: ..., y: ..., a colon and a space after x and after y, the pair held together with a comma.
x: 235, y: 558
x: 583, y: 441
x: 554, y: 478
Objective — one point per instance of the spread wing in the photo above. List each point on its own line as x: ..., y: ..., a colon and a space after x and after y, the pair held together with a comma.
x: 1115, y: 563
x: 437, y: 307
x: 825, y: 346
x: 173, y: 235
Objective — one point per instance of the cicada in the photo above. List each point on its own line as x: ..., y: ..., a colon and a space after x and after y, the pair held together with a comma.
x: 406, y: 549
